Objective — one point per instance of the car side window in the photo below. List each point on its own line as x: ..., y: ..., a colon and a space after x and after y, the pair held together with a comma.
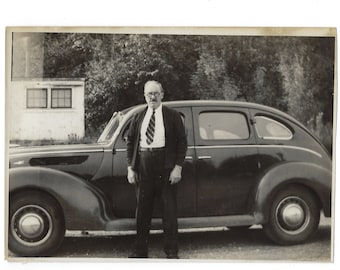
x: 223, y: 126
x: 270, y: 129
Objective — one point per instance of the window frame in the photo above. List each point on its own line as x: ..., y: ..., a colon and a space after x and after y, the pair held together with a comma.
x: 44, y: 89
x: 223, y: 139
x: 61, y: 89
x: 222, y: 142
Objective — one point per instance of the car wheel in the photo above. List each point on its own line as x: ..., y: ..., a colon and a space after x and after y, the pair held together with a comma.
x: 293, y: 217
x: 36, y: 224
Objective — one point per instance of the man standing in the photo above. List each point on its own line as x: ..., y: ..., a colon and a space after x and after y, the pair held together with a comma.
x: 156, y: 147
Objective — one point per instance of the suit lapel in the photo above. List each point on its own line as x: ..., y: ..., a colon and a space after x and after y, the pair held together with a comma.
x: 166, y: 121
x: 140, y: 121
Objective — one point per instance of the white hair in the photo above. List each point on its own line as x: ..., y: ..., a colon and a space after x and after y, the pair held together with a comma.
x: 156, y: 83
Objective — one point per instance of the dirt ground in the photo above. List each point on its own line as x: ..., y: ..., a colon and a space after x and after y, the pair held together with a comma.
x: 227, y: 245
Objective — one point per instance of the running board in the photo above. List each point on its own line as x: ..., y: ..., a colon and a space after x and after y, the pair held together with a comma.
x: 127, y: 224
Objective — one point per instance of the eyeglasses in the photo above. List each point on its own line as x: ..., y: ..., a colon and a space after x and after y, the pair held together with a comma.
x: 153, y: 94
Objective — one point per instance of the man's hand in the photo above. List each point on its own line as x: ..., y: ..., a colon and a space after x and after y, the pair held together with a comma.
x: 175, y: 175
x: 132, y: 176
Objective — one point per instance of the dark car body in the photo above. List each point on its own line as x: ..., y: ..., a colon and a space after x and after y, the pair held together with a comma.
x: 246, y: 164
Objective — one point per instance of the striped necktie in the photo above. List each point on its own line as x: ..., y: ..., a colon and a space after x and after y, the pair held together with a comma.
x: 150, y: 131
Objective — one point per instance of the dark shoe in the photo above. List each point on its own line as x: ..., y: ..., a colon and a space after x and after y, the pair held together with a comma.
x: 136, y: 255
x: 172, y: 256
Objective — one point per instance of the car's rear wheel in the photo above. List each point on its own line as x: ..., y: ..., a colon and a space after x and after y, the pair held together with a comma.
x: 293, y: 217
x: 36, y: 224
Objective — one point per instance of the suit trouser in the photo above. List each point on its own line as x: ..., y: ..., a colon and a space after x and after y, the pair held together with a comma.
x: 154, y: 184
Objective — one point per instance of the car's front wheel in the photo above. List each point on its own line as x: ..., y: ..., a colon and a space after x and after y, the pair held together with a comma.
x: 36, y: 224
x: 293, y: 217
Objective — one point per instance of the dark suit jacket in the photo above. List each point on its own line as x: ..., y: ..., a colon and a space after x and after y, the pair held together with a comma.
x: 175, y: 138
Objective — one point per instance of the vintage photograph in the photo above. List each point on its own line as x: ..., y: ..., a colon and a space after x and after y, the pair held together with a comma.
x: 170, y: 143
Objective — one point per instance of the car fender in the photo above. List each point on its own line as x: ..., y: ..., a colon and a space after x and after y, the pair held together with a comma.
x: 83, y: 205
x: 316, y: 178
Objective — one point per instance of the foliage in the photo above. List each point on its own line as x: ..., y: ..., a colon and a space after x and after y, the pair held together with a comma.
x: 309, y: 77
x: 239, y: 68
x: 294, y: 74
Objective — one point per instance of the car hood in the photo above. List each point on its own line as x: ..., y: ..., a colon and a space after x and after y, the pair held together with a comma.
x: 36, y: 150
x: 82, y: 160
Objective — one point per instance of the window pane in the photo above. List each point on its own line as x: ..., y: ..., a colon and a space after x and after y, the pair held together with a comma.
x: 67, y: 103
x: 223, y: 126
x: 268, y: 128
x: 54, y: 103
x: 54, y: 94
x: 61, y: 102
x: 35, y: 103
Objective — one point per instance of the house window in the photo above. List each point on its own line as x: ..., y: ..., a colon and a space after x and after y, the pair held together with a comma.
x: 61, y: 97
x: 37, y: 98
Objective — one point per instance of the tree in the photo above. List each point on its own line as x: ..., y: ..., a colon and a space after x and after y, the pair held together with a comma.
x: 307, y: 65
x: 239, y: 68
x: 115, y: 68
x: 294, y: 74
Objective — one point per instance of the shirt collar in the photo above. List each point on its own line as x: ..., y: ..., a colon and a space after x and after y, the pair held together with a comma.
x: 156, y: 110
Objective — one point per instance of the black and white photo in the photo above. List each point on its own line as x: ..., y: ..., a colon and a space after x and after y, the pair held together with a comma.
x: 255, y: 180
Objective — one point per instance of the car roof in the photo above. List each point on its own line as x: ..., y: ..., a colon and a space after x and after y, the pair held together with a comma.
x: 219, y: 103
x: 228, y: 103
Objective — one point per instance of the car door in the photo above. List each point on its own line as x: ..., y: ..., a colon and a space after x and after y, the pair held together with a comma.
x: 186, y: 189
x: 227, y: 160
x: 123, y: 194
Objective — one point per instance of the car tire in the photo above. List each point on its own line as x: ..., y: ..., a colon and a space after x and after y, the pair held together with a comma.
x: 293, y: 217
x: 36, y: 224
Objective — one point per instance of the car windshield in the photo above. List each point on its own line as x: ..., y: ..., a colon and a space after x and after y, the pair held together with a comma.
x: 111, y: 127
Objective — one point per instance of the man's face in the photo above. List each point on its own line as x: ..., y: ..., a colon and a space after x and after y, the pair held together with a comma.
x: 153, y: 95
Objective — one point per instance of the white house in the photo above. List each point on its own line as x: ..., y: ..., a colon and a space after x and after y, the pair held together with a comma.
x: 40, y: 109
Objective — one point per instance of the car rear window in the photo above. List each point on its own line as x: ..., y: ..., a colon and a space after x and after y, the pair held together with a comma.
x: 223, y: 126
x: 270, y: 129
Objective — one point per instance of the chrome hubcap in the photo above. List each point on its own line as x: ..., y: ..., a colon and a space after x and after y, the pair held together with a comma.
x: 292, y: 215
x: 31, y: 225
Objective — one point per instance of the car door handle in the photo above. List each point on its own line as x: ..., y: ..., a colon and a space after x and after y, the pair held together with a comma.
x: 204, y: 157
x: 188, y: 158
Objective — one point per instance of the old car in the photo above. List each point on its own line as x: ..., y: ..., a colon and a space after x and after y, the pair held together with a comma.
x: 246, y: 164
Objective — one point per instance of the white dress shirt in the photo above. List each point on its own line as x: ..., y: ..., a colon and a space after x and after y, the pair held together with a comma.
x: 159, y: 135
